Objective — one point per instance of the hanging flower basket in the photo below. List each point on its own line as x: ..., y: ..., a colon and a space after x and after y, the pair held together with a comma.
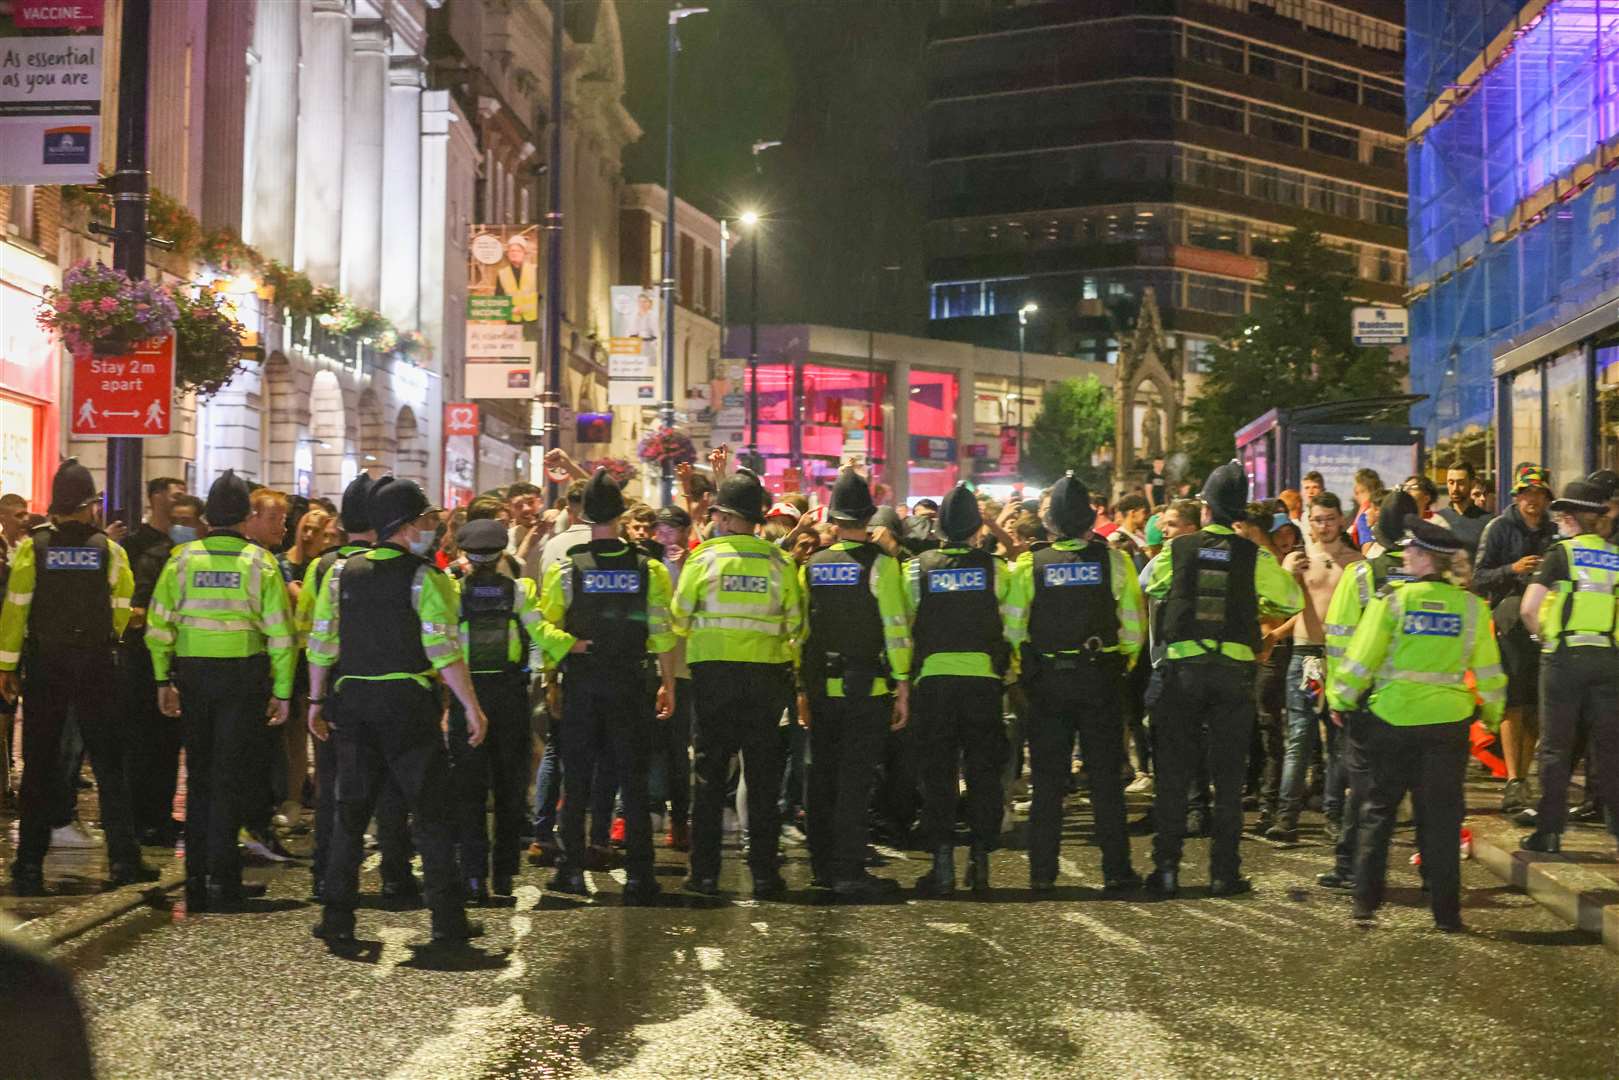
x: 99, y: 309
x: 621, y: 470
x: 667, y: 445
x: 207, y: 342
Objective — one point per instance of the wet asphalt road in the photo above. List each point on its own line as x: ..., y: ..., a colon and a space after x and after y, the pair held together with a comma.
x: 1276, y: 984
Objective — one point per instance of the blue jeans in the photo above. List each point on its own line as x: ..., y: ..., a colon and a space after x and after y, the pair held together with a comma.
x: 1303, y: 731
x: 548, y: 788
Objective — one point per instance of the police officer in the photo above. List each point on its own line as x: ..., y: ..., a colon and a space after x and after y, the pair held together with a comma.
x: 222, y: 641
x: 66, y: 603
x: 1214, y: 586
x: 1361, y: 582
x: 393, y: 823
x: 1405, y: 667
x: 854, y: 676
x: 1078, y: 612
x: 1572, y: 608
x: 739, y: 608
x: 500, y: 619
x: 961, y: 595
x: 386, y: 619
x: 608, y: 606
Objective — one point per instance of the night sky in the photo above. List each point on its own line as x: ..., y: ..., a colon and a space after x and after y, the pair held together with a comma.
x: 840, y: 83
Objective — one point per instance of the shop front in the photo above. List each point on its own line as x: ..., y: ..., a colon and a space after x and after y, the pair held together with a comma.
x: 841, y: 414
x: 30, y: 380
x: 1559, y: 407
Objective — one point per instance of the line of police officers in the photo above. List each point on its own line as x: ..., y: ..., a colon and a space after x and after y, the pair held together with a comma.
x: 1412, y: 659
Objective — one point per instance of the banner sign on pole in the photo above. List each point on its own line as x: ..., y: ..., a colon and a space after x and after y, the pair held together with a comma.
x: 636, y: 347
x: 130, y: 396
x: 503, y: 311
x: 50, y: 91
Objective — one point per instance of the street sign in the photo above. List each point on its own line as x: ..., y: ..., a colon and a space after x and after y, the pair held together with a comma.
x: 460, y: 418
x: 128, y: 396
x: 1380, y: 325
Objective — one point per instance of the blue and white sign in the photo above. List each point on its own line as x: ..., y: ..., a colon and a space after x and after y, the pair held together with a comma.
x: 835, y: 573
x: 73, y: 558
x: 971, y: 579
x: 1061, y: 575
x: 745, y: 583
x: 1212, y: 554
x: 217, y: 579
x: 1380, y: 325
x: 1432, y: 624
x: 612, y: 581
x: 1596, y: 559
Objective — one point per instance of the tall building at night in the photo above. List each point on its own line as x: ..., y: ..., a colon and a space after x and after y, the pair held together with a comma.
x: 1081, y: 151
x: 1514, y: 128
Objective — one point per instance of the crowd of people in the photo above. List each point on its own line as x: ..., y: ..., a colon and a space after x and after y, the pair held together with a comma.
x: 507, y: 683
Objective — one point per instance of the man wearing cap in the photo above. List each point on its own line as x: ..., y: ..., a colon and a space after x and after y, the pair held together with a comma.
x: 66, y: 603
x: 500, y: 620
x: 386, y: 621
x: 393, y: 821
x: 1214, y: 586
x: 1406, y: 666
x: 221, y: 634
x: 962, y: 598
x: 854, y: 683
x: 1078, y: 613
x: 1361, y: 582
x: 1509, y: 555
x: 607, y: 606
x: 1572, y: 609
x: 738, y: 606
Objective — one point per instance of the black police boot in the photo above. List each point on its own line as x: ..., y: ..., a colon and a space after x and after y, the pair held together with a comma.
x: 336, y: 928
x: 1286, y: 829
x: 1549, y: 842
x: 702, y: 886
x: 1163, y: 883
x: 641, y: 891
x: 1335, y: 879
x: 477, y: 891
x: 977, y: 876
x: 230, y: 895
x: 865, y: 889
x: 403, y: 892
x: 28, y: 880
x: 451, y: 925
x: 1129, y: 881
x: 196, y: 894
x: 768, y: 886
x: 130, y: 873
x: 1587, y: 813
x: 1231, y: 886
x: 568, y: 880
x: 941, y: 880
x: 317, y: 888
x: 503, y: 884
x: 1040, y: 883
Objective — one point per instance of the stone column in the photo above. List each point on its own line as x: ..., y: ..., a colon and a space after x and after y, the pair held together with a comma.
x: 322, y: 146
x: 272, y: 137
x: 362, y: 169
x: 401, y: 193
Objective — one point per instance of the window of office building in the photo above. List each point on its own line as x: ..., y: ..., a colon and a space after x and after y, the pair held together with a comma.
x: 933, y: 451
x: 837, y: 404
x: 1526, y: 390
x: 1567, y: 412
x: 1607, y: 392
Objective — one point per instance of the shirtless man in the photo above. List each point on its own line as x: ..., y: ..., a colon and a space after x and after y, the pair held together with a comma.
x: 1317, y: 566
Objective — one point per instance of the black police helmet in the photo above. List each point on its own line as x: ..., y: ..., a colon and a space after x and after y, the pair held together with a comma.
x: 603, y: 499
x: 1431, y: 537
x: 395, y: 503
x: 229, y: 501
x: 1394, y: 514
x: 1226, y: 493
x: 73, y: 488
x: 486, y: 536
x: 1607, y: 480
x: 742, y: 494
x: 851, y: 499
x: 959, y: 516
x: 355, y: 515
x: 1582, y: 497
x: 1070, y: 508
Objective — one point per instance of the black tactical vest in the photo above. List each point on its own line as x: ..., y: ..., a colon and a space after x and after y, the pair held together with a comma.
x: 1388, y: 567
x: 1073, y: 599
x: 607, y: 602
x: 1211, y: 591
x: 72, y: 605
x: 958, y: 611
x: 844, y: 620
x: 379, y: 629
x: 489, y: 609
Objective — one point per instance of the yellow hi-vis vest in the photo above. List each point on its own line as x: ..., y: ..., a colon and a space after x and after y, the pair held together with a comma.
x: 1581, y: 609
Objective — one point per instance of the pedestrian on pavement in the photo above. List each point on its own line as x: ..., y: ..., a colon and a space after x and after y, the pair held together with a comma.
x: 1572, y: 609
x: 738, y: 606
x: 66, y: 604
x: 386, y: 622
x: 1461, y: 514
x: 1407, y: 666
x: 1083, y: 631
x: 500, y: 621
x: 961, y: 596
x: 223, y: 645
x: 854, y: 680
x: 1214, y: 585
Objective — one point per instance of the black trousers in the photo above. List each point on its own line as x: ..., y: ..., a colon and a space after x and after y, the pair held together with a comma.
x: 607, y: 718
x: 1579, y: 700
x: 845, y: 741
x: 1083, y: 701
x: 498, y: 766
x: 1270, y: 699
x: 390, y: 729
x: 154, y: 740
x: 959, y: 730
x: 738, y: 709
x: 56, y: 681
x: 1353, y: 745
x: 223, y: 702
x: 1430, y: 761
x: 391, y: 811
x: 671, y: 756
x: 1218, y: 695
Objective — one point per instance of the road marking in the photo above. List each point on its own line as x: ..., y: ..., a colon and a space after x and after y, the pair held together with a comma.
x: 517, y: 967
x: 395, y: 951
x: 590, y: 884
x: 1197, y: 912
x: 710, y: 958
x: 763, y: 928
x: 1110, y: 934
x: 964, y: 929
x: 619, y: 875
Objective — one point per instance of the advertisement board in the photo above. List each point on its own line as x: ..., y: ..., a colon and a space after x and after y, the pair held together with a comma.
x: 635, y: 351
x: 503, y: 311
x: 1338, y: 462
x: 1380, y: 325
x: 50, y: 91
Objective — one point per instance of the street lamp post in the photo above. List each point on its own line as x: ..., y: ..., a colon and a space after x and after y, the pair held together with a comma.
x: 669, y: 235
x: 750, y: 218
x: 1022, y: 326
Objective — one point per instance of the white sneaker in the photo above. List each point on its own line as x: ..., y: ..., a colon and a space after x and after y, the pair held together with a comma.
x: 257, y: 849
x: 1141, y: 785
x: 73, y: 835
